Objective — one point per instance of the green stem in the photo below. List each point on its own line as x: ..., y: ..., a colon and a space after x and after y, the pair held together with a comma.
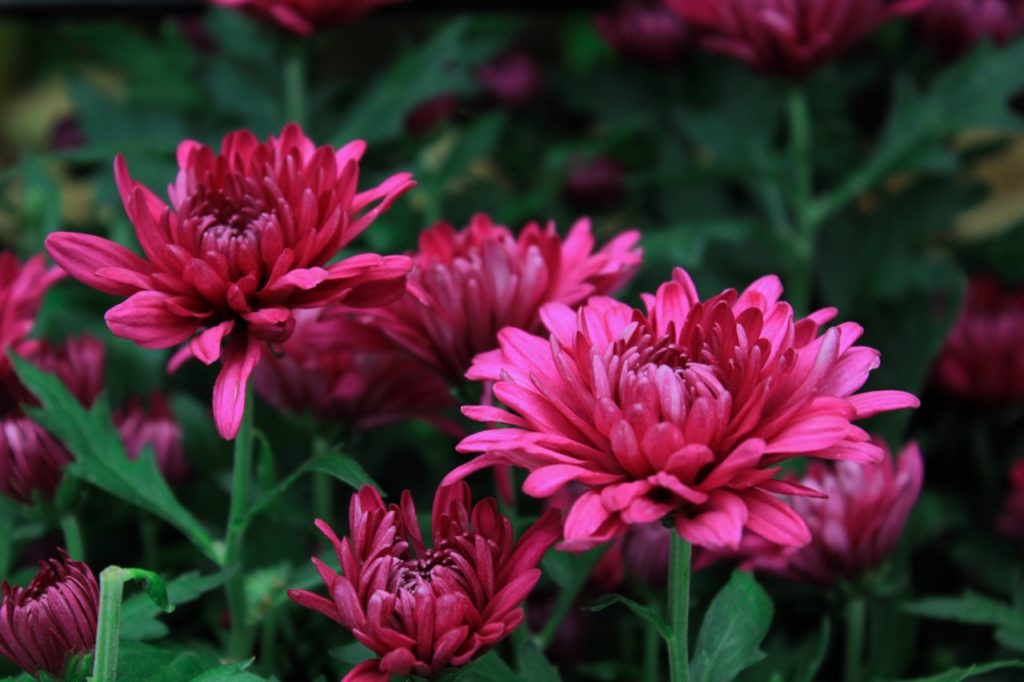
x: 295, y: 85
x: 679, y: 609
x: 108, y: 631
x: 804, y: 225
x: 854, y: 652
x: 72, y: 536
x: 239, y: 642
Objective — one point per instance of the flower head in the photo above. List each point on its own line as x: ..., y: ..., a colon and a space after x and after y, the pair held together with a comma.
x: 344, y: 370
x: 22, y: 288
x: 953, y: 27
x: 646, y: 31
x: 467, y: 285
x: 981, y: 360
x: 853, y: 530
x: 157, y: 428
x: 421, y: 609
x: 44, y: 625
x: 686, y: 409
x: 248, y: 238
x: 787, y: 37
x: 1011, y: 521
x: 303, y: 17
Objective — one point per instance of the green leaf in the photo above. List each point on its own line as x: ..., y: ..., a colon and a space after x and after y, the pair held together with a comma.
x: 100, y: 457
x: 645, y: 613
x: 976, y: 609
x: 139, y: 615
x: 230, y: 673
x: 489, y: 668
x: 958, y: 674
x: 534, y: 666
x: 730, y: 637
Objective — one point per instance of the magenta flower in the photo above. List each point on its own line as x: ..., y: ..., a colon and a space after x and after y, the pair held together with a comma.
x: 22, y: 288
x: 686, y: 409
x: 787, y: 37
x: 1011, y: 521
x: 953, y: 27
x: 44, y: 625
x: 248, y: 238
x: 466, y: 286
x: 303, y: 17
x: 982, y: 360
x: 856, y: 528
x: 157, y: 428
x: 343, y: 370
x: 424, y: 610
x: 512, y: 79
x: 646, y: 31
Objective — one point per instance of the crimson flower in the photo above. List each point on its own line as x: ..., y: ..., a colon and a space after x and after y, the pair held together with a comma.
x: 303, y: 17
x: 44, y: 625
x: 981, y: 360
x: 424, y: 610
x: 646, y: 31
x: 22, y: 288
x: 953, y: 27
x: 686, y: 409
x: 467, y: 285
x: 157, y: 428
x: 344, y: 370
x: 853, y: 530
x: 248, y: 239
x: 787, y: 37
x: 1011, y: 521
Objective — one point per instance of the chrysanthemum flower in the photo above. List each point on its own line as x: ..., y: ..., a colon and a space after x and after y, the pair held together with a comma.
x: 645, y: 30
x: 156, y: 427
x: 856, y: 528
x: 1011, y: 521
x: 247, y: 240
x: 953, y: 27
x: 343, y: 370
x: 422, y: 610
x: 513, y: 79
x: 467, y: 285
x: 787, y: 37
x: 44, y: 625
x: 22, y: 288
x: 982, y: 359
x: 303, y: 17
x: 686, y: 409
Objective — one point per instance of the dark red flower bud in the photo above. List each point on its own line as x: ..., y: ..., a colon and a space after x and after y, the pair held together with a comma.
x: 647, y: 32
x: 157, y: 428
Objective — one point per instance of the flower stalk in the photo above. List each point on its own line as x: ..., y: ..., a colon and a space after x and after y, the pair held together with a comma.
x: 108, y: 631
x: 679, y: 609
x: 238, y: 643
x: 72, y: 531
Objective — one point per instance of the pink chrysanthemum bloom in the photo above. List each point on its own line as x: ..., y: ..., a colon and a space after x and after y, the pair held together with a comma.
x: 303, y: 17
x: 22, y: 288
x: 248, y: 239
x: 342, y: 370
x: 686, y: 409
x: 43, y: 626
x: 1011, y: 521
x: 645, y: 30
x: 852, y: 531
x: 157, y: 428
x: 467, y: 285
x: 787, y: 37
x: 424, y: 610
x: 982, y: 359
x: 953, y: 27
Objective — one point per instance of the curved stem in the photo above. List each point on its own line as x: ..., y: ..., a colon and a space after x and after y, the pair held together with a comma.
x: 108, y: 632
x: 238, y: 644
x: 854, y: 652
x: 72, y: 536
x: 679, y: 609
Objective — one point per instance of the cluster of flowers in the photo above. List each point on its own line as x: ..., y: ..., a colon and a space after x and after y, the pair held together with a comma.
x: 682, y: 410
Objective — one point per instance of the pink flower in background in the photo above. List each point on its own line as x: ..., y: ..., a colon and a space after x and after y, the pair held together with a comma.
x: 249, y: 237
x: 856, y: 528
x: 512, y: 79
x: 594, y: 184
x: 22, y: 288
x: 303, y: 17
x: 422, y: 610
x: 953, y: 27
x: 157, y: 428
x: 343, y: 370
x: 686, y: 409
x: 982, y: 359
x: 44, y: 625
x: 787, y: 37
x: 467, y: 285
x: 645, y: 30
x: 1011, y: 521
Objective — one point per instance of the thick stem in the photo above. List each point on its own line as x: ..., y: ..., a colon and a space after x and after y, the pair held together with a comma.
x: 804, y: 227
x: 295, y: 84
x: 239, y: 642
x: 679, y: 609
x: 108, y: 631
x: 854, y: 652
x: 72, y: 536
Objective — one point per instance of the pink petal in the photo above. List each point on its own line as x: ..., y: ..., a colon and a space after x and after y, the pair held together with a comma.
x: 240, y: 357
x: 145, y: 319
x: 83, y: 255
x: 206, y: 346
